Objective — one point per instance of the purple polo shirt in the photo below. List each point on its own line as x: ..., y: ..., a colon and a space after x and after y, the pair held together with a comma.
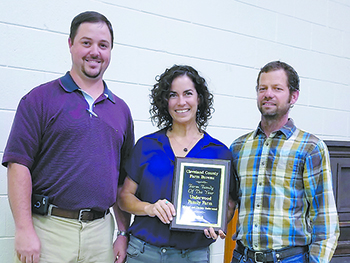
x: 74, y: 157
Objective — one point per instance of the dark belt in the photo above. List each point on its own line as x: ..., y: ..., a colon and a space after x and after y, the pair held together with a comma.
x: 83, y: 215
x: 267, y: 256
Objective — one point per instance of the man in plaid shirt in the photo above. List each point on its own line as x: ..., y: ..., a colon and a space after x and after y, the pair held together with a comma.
x: 287, y: 211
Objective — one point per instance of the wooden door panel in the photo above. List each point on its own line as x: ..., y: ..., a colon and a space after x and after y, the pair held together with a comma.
x: 343, y: 195
x: 340, y: 164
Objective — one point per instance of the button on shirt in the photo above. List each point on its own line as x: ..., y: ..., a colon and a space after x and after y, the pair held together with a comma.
x: 286, y: 193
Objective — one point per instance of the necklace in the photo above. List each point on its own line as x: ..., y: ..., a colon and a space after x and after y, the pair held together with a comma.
x: 185, y: 149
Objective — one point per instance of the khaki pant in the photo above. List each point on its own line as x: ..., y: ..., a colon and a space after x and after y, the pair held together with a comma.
x: 68, y: 240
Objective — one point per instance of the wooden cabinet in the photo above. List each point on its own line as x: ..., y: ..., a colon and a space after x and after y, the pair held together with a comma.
x: 340, y: 163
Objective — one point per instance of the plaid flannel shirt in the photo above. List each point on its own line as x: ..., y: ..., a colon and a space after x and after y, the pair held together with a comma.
x: 286, y: 193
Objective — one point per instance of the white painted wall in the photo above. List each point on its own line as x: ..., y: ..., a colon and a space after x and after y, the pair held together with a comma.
x: 228, y: 41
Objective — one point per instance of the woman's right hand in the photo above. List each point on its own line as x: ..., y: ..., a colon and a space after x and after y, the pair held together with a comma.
x: 128, y: 202
x: 163, y: 209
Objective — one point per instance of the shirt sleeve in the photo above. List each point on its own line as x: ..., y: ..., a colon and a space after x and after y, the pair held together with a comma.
x: 323, y: 212
x: 235, y: 189
x: 126, y: 148
x: 133, y: 167
x: 24, y: 139
x: 234, y: 183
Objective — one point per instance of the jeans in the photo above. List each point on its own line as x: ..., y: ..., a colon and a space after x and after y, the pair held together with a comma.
x: 140, y: 252
x: 298, y: 258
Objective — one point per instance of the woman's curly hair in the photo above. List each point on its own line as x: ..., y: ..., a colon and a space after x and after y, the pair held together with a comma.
x: 160, y: 97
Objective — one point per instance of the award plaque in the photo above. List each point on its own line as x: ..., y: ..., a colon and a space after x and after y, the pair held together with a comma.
x: 200, y: 194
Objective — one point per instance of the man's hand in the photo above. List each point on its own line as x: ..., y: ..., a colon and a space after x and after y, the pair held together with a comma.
x: 27, y: 246
x: 27, y: 243
x: 119, y: 248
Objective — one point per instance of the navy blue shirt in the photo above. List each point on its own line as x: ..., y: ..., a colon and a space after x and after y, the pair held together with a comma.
x: 151, y: 166
x: 74, y: 157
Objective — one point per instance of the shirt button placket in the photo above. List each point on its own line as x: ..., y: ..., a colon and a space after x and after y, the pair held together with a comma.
x: 260, y: 193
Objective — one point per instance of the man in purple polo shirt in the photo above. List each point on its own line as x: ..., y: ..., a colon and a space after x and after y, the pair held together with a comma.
x: 67, y: 147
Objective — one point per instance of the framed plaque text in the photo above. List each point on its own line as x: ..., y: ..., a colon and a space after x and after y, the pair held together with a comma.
x: 200, y: 193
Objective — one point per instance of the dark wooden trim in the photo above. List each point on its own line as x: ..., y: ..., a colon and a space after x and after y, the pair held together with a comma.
x: 339, y: 149
x: 343, y: 249
x: 344, y: 224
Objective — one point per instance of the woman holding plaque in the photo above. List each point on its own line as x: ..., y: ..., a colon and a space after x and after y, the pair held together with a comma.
x: 181, y: 106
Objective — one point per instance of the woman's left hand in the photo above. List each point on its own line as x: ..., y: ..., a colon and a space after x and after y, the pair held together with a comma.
x: 210, y: 233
